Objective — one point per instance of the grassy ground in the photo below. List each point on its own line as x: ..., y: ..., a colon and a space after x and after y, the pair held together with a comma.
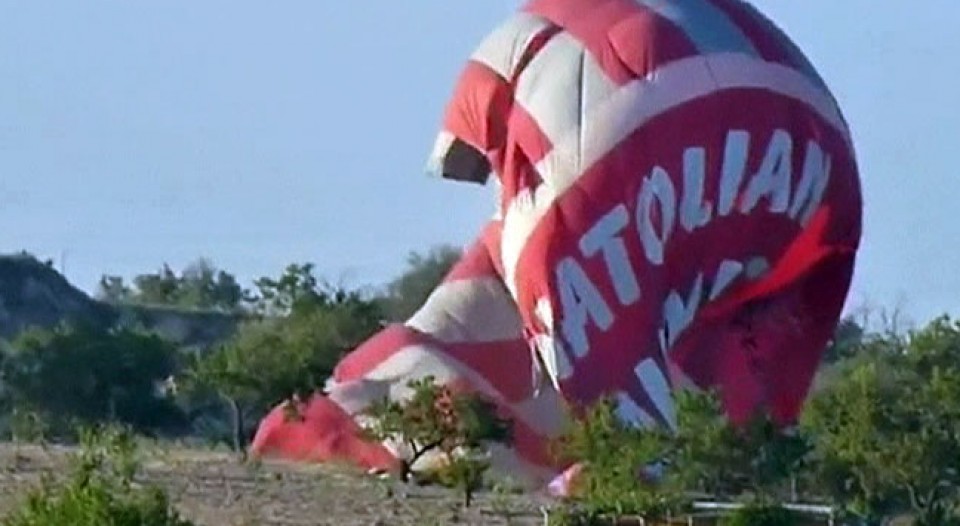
x: 213, y: 489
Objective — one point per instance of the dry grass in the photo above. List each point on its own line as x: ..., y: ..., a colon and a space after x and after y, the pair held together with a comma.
x: 213, y: 489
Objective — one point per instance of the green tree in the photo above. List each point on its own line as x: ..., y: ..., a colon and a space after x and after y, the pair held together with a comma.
x: 289, y: 352
x: 295, y: 290
x: 200, y: 286
x: 91, y: 375
x: 847, y: 339
x: 621, y: 468
x: 755, y: 460
x: 435, y: 418
x: 849, y: 421
x: 408, y: 292
x: 159, y: 288
x: 888, y: 430
x: 653, y: 472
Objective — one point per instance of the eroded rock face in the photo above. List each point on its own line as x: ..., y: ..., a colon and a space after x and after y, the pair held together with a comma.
x: 34, y: 294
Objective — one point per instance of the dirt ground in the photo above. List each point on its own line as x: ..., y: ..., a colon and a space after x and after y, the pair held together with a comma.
x: 213, y: 489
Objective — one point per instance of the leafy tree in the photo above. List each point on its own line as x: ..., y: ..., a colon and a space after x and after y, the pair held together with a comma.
x: 157, y: 289
x: 200, y: 286
x: 435, y: 418
x: 888, y: 431
x: 91, y: 375
x: 289, y: 353
x: 619, y: 468
x: 464, y: 472
x: 847, y: 339
x: 848, y: 420
x: 652, y: 472
x: 408, y: 292
x: 755, y: 460
x: 296, y: 289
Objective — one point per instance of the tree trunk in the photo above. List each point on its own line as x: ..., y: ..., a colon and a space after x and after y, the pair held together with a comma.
x: 405, y: 471
x: 239, y: 437
x: 467, y: 496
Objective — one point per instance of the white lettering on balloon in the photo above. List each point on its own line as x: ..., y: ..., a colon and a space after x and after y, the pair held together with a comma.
x: 605, y: 238
x: 657, y: 213
x: 659, y: 187
x: 581, y: 303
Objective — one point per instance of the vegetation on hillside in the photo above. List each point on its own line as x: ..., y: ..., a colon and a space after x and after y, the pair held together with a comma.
x: 200, y: 285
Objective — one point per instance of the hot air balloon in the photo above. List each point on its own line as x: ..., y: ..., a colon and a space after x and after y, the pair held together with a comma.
x: 679, y: 207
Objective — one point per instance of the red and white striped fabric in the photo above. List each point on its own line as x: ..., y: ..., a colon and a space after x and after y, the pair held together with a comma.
x: 468, y: 334
x: 679, y: 195
x: 679, y: 207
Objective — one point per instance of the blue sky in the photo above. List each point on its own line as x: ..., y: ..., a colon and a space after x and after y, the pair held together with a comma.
x: 256, y: 134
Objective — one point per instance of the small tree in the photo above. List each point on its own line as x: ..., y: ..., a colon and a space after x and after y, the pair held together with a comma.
x: 296, y: 289
x: 849, y: 421
x: 622, y: 468
x: 290, y: 350
x: 112, y: 289
x: 434, y: 418
x: 651, y: 472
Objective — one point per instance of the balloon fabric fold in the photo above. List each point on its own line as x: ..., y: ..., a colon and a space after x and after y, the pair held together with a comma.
x: 679, y: 207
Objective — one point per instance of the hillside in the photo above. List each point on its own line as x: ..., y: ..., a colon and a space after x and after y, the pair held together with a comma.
x: 34, y: 294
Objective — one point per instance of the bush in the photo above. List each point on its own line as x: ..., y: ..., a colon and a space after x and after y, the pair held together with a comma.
x: 435, y: 418
x: 90, y: 375
x: 617, y: 477
x: 464, y: 473
x: 99, y: 490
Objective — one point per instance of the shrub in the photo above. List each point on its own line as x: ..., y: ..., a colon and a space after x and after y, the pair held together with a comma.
x: 434, y: 418
x: 99, y: 490
x: 88, y: 374
x: 618, y: 477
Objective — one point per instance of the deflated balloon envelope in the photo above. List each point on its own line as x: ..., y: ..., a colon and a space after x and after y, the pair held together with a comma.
x: 679, y: 207
x: 680, y: 197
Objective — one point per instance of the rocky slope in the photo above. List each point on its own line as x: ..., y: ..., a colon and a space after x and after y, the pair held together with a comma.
x: 34, y: 294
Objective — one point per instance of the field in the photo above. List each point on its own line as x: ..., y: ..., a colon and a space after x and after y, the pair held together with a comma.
x: 213, y: 489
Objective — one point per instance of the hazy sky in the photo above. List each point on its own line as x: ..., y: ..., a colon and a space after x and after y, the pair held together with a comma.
x: 134, y: 133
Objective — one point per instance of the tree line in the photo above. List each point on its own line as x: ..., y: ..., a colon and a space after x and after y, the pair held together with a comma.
x: 203, y: 286
x: 294, y: 328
